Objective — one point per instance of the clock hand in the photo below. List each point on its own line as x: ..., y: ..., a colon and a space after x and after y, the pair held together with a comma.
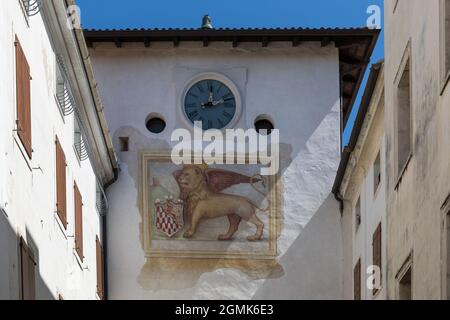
x: 221, y: 101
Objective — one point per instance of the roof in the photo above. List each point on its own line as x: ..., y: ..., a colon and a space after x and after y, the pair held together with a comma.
x: 360, y: 118
x: 355, y: 45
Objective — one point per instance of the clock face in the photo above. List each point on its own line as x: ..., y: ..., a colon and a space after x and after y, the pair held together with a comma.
x: 211, y: 102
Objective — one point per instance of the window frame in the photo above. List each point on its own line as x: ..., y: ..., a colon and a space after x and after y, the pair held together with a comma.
x: 357, y: 217
x: 61, y: 197
x: 23, y: 125
x: 406, y: 60
x: 357, y: 274
x: 408, y: 265
x: 395, y: 6
x: 100, y: 265
x: 444, y: 64
x: 377, y: 187
x: 78, y: 217
x: 378, y: 232
x: 24, y: 249
x: 445, y: 248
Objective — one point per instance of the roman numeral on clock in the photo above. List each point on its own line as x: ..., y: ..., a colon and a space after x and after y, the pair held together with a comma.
x: 226, y: 114
x: 228, y: 96
x: 200, y: 88
x: 193, y: 114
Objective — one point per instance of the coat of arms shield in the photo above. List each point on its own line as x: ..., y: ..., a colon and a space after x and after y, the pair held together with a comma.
x: 169, y: 216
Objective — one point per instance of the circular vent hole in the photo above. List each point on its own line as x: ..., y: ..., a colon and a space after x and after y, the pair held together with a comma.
x: 156, y: 125
x: 264, y: 124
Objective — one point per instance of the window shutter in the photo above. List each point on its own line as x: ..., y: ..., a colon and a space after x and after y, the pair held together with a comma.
x: 61, y: 200
x: 357, y: 281
x: 27, y: 272
x: 23, y: 99
x: 78, y: 222
x: 376, y: 248
x: 100, y: 269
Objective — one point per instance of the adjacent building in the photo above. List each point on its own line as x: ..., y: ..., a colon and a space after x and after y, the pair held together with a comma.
x: 360, y: 186
x: 55, y: 157
x: 417, y: 70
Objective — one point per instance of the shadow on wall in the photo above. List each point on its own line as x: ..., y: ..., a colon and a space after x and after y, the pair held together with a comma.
x: 10, y: 266
x: 317, y: 245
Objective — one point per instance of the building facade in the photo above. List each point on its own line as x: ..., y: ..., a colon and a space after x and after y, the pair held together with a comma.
x: 360, y: 186
x: 417, y: 53
x: 55, y: 158
x: 302, y: 82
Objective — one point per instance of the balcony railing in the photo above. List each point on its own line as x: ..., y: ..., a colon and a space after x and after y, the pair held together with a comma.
x: 31, y: 7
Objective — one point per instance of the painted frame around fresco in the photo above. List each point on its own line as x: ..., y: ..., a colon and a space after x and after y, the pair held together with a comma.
x: 274, y: 187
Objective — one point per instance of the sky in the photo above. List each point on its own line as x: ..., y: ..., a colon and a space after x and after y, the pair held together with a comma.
x: 233, y: 14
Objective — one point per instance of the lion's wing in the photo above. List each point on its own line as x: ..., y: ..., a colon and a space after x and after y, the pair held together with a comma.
x: 219, y: 180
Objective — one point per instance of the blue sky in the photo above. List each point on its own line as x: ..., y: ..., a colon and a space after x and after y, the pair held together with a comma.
x: 231, y: 13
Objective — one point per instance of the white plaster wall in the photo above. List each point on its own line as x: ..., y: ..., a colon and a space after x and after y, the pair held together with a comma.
x: 297, y: 87
x: 27, y: 188
x: 357, y: 242
x: 373, y: 212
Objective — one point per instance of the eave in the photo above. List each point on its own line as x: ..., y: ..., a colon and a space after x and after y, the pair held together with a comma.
x: 355, y: 46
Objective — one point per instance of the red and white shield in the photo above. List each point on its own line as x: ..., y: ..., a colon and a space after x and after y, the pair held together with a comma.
x: 169, y: 217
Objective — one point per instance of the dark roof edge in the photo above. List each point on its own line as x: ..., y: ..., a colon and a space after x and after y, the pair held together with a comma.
x: 369, y: 51
x: 359, y: 121
x: 218, y: 30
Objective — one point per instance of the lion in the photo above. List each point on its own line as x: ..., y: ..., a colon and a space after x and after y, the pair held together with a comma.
x: 201, y: 192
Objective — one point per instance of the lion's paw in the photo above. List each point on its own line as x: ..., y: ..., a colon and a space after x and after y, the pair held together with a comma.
x: 188, y: 234
x: 253, y: 238
x: 224, y: 237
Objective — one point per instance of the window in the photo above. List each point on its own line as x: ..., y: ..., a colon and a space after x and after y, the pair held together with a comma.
x: 405, y: 292
x: 100, y: 269
x: 448, y: 256
x: 377, y: 173
x: 124, y: 144
x: 404, y: 278
x: 446, y: 41
x: 358, y: 213
x: 27, y: 272
x: 23, y: 99
x: 357, y: 281
x: 61, y: 200
x: 404, y: 147
x: 395, y: 6
x: 377, y: 252
x: 78, y: 201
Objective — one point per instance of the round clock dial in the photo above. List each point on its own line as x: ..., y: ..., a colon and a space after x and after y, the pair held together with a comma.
x: 211, y: 102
